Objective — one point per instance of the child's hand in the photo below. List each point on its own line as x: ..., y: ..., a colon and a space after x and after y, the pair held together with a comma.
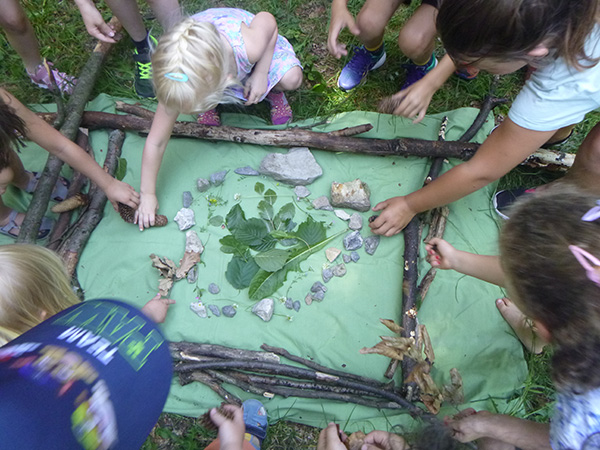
x: 145, y: 214
x: 382, y: 440
x: 255, y: 88
x: 119, y: 192
x: 340, y: 19
x: 441, y: 254
x: 231, y: 432
x: 94, y: 23
x: 414, y: 101
x: 157, y: 308
x: 331, y: 438
x: 395, y: 215
x: 468, y: 425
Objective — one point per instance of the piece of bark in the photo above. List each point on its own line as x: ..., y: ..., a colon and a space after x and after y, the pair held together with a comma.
x: 70, y: 203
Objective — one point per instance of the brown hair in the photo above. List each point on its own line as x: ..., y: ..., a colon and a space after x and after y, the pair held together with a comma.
x: 550, y: 284
x: 509, y: 29
x: 12, y: 129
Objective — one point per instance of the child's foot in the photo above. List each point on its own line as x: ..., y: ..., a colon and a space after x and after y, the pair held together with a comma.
x: 65, y: 83
x: 210, y: 118
x: 59, y: 193
x: 521, y: 325
x: 12, y: 225
x: 362, y: 62
x: 143, y: 69
x: 414, y: 72
x: 281, y: 112
x: 255, y: 418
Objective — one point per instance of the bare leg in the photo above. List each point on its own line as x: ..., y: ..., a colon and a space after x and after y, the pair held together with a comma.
x: 417, y: 37
x: 128, y: 13
x: 521, y: 325
x: 290, y: 81
x: 20, y: 34
x: 585, y: 172
x: 372, y: 20
x: 167, y: 12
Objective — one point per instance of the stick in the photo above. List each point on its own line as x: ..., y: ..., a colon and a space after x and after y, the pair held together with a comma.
x: 221, y: 352
x: 186, y: 378
x: 489, y: 103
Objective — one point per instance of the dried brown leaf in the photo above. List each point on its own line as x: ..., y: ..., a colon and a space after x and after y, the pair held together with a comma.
x: 426, y: 340
x: 189, y: 260
x: 355, y: 441
x: 164, y: 286
x: 392, y: 326
x: 453, y: 392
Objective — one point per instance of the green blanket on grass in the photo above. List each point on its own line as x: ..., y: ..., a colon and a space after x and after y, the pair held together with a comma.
x: 466, y: 330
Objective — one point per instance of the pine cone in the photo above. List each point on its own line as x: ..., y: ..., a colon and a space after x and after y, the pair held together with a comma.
x: 205, y: 420
x: 71, y: 203
x: 128, y: 215
x: 388, y: 105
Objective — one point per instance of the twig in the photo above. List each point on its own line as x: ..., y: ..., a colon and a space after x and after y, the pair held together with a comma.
x: 186, y: 378
x: 220, y: 351
x: 489, y: 103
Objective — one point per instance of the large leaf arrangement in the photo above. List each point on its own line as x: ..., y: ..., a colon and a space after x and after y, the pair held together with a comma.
x: 256, y: 263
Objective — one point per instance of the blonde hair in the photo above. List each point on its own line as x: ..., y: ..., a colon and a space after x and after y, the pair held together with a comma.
x: 33, y: 283
x: 190, y: 68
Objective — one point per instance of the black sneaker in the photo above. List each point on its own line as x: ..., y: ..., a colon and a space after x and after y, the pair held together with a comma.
x: 143, y: 72
x: 503, y: 200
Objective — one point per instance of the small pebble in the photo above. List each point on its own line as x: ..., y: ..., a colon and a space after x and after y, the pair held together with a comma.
x: 356, y: 222
x: 327, y: 275
x: 318, y: 296
x: 342, y: 214
x: 192, y: 275
x: 187, y: 199
x: 354, y: 256
x: 203, y: 184
x: 247, y: 170
x: 289, y: 303
x: 301, y: 192
x: 308, y: 299
x: 332, y: 253
x: 322, y: 203
x: 217, y: 178
x: 353, y: 241
x: 228, y: 311
x: 213, y: 288
x: 318, y: 287
x: 339, y: 270
x: 296, y: 306
x: 215, y: 310
x: 371, y: 244
x: 347, y: 258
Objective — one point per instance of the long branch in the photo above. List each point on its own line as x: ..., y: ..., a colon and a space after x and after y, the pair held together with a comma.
x: 220, y: 351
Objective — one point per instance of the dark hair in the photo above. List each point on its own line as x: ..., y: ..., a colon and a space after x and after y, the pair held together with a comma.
x: 509, y: 29
x: 550, y: 283
x: 12, y: 129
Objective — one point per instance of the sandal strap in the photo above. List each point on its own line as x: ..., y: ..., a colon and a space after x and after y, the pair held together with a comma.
x: 11, y: 224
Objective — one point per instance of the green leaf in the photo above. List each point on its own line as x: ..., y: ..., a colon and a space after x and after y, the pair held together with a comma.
x: 229, y: 244
x: 259, y: 188
x: 266, y: 211
x: 240, y: 272
x: 267, y: 243
x: 272, y: 260
x: 121, y: 169
x: 278, y: 234
x: 251, y: 232
x: 284, y: 216
x: 265, y: 283
x: 216, y: 221
x: 311, y: 232
x: 270, y: 196
x: 235, y: 217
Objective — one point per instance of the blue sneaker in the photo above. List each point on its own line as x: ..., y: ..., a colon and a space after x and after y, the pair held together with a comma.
x: 415, y: 72
x: 255, y: 418
x: 357, y: 68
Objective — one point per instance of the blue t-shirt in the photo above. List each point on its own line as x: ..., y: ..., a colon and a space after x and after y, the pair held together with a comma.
x: 558, y: 95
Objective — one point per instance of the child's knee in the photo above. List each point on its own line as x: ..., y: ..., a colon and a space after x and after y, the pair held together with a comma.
x: 415, y: 44
x: 16, y: 23
x: 292, y: 79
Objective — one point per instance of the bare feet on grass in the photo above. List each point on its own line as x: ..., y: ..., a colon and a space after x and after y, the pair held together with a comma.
x: 521, y: 325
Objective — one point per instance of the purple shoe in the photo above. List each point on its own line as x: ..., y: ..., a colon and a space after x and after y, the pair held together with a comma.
x: 414, y: 72
x: 362, y: 62
x: 65, y: 83
x: 281, y: 112
x: 210, y: 118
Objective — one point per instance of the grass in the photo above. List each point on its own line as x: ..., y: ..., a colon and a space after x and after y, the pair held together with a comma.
x: 64, y: 40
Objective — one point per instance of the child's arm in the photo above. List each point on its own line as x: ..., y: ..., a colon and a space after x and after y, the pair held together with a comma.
x: 503, y: 150
x: 442, y: 255
x: 94, y: 23
x: 340, y: 19
x: 231, y: 431
x: 55, y: 143
x: 260, y: 38
x: 157, y: 308
x: 415, y: 99
x: 154, y: 149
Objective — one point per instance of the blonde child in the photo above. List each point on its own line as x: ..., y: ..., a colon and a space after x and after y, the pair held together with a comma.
x: 561, y: 39
x: 220, y: 55
x: 19, y: 122
x: 34, y: 286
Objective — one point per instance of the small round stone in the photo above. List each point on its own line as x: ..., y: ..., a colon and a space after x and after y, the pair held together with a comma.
x: 228, y: 311
x: 213, y: 288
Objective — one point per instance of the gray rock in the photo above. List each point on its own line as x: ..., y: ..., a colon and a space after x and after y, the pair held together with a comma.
x: 213, y: 288
x: 318, y: 296
x: 346, y: 258
x: 289, y: 303
x: 264, y: 309
x: 203, y: 184
x: 371, y: 244
x: 327, y: 275
x: 356, y: 222
x: 296, y: 306
x: 297, y: 167
x: 308, y: 299
x: 318, y: 287
x: 185, y: 218
x: 192, y: 275
x: 187, y: 199
x: 354, y: 256
x: 193, y: 242
x: 215, y: 310
x: 247, y: 170
x: 353, y: 194
x: 301, y: 192
x: 199, y: 309
x: 342, y: 214
x: 228, y: 311
x: 217, y: 178
x: 339, y: 270
x: 353, y: 241
x: 322, y: 203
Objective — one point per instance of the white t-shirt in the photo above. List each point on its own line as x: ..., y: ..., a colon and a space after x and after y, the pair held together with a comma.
x: 558, y: 95
x: 576, y: 421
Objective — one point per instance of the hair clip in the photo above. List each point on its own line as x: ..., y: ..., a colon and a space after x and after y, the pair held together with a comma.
x: 593, y: 214
x: 586, y: 260
x: 177, y: 76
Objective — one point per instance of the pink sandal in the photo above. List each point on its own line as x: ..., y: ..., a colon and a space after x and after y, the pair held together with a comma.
x: 281, y: 112
x: 210, y: 118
